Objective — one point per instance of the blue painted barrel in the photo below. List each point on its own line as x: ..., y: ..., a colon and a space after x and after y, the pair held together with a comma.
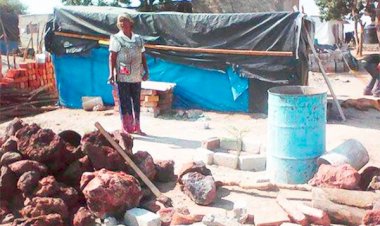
x: 296, y: 132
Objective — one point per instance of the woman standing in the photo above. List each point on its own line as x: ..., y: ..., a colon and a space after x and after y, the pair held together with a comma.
x: 128, y: 68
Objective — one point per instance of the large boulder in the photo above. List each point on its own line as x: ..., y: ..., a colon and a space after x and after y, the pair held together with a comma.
x: 368, y: 178
x: 371, y: 217
x: 72, y: 175
x: 198, y: 167
x: 47, y: 187
x: 83, y: 217
x: 146, y: 164
x: 40, y: 206
x: 95, y: 138
x: 165, y: 170
x: 8, y: 183
x: 9, y: 145
x: 200, y: 188
x: 104, y: 157
x: 28, y: 181
x: 125, y: 140
x: 24, y: 134
x: 43, y: 220
x: 343, y: 176
x: 46, y: 147
x: 23, y: 166
x: 9, y: 158
x: 108, y: 192
x: 69, y: 195
x: 71, y: 137
x: 4, y: 210
x: 15, y: 125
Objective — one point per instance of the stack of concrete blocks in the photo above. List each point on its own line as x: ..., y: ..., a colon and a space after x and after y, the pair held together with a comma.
x: 152, y: 102
x: 332, y: 62
x: 244, y: 154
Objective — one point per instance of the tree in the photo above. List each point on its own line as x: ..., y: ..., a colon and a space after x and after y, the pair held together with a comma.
x: 95, y: 2
x: 12, y: 6
x: 338, y: 9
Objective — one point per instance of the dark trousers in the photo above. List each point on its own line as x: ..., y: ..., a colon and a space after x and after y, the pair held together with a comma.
x: 372, y: 70
x: 129, y: 97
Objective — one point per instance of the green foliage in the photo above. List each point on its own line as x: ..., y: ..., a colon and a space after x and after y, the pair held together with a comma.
x: 95, y: 2
x: 12, y: 6
x: 337, y: 9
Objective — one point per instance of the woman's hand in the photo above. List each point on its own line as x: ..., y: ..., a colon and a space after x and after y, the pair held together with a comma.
x: 111, y: 79
x: 145, y: 76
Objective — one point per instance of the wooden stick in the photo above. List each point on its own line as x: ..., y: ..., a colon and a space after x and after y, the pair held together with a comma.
x: 144, y: 178
x: 325, y: 77
x: 219, y: 51
x: 187, y: 49
x: 338, y: 213
x: 266, y: 186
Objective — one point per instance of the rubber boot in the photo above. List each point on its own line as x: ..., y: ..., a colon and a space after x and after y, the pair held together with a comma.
x: 137, y: 129
x: 369, y: 87
x: 376, y: 90
x: 127, y: 126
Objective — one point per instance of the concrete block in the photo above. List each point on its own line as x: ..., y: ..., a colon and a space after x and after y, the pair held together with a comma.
x: 225, y: 159
x: 141, y: 217
x: 204, y: 155
x: 110, y: 221
x: 230, y: 143
x: 211, y: 143
x: 339, y: 66
x: 251, y: 145
x: 252, y: 162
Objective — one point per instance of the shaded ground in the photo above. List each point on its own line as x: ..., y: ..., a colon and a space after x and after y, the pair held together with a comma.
x: 170, y: 138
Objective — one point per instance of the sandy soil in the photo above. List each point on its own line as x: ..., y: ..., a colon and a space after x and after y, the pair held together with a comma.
x: 170, y: 138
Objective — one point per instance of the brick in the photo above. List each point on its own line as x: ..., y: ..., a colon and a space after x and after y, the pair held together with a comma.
x: 151, y: 99
x: 204, y: 155
x: 141, y: 217
x: 252, y: 162
x: 149, y: 104
x: 251, y: 145
x: 315, y: 216
x: 148, y: 92
x: 150, y: 114
x: 211, y: 143
x: 225, y: 159
x: 230, y: 143
x: 294, y: 214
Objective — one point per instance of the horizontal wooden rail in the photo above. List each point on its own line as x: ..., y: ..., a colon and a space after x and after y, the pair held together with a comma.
x: 187, y: 49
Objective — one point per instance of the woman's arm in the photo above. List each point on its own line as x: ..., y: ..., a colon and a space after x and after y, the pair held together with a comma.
x: 146, y: 74
x: 112, y: 66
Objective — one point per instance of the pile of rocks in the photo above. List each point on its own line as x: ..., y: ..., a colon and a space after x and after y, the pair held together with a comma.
x: 48, y: 179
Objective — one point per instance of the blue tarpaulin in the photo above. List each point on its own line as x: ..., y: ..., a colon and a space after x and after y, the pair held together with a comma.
x: 10, y: 46
x: 79, y: 76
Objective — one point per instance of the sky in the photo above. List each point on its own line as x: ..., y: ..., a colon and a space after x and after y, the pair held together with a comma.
x: 44, y: 6
x: 41, y: 6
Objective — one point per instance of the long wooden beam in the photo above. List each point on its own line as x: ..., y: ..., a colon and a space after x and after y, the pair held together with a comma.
x: 187, y: 49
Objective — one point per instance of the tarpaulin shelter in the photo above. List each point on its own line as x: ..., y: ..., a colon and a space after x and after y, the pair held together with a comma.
x: 223, y: 62
x: 9, y: 21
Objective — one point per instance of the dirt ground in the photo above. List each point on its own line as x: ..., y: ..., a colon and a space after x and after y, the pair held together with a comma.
x: 177, y: 139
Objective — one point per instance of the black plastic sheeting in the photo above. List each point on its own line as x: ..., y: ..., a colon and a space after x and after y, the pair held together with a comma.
x: 10, y: 23
x: 280, y: 31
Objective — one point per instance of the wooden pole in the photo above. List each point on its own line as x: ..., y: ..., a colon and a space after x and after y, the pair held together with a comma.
x: 325, y: 77
x: 187, y: 49
x: 135, y: 168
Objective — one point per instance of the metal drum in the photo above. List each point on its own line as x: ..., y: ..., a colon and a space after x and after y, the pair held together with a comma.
x: 296, y: 132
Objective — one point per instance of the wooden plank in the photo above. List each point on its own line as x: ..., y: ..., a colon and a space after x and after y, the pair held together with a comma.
x: 245, y: 52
